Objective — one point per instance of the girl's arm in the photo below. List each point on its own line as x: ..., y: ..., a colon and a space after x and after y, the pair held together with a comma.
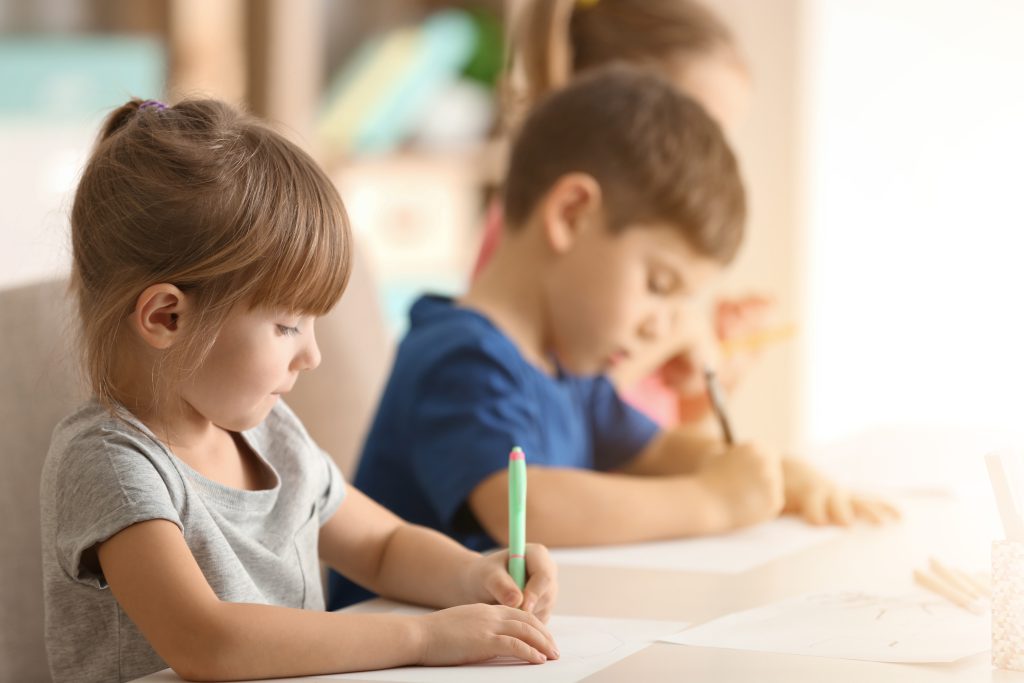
x: 373, y: 547
x: 156, y: 580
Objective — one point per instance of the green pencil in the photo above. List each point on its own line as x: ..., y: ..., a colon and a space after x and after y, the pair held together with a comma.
x: 517, y: 516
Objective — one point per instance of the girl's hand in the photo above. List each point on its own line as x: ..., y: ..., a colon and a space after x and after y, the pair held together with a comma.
x: 811, y: 495
x: 476, y: 633
x: 490, y: 581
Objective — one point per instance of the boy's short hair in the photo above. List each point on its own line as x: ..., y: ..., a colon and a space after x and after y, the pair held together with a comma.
x: 657, y: 155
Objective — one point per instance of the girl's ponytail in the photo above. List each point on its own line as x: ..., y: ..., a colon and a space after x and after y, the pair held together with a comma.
x: 119, y: 118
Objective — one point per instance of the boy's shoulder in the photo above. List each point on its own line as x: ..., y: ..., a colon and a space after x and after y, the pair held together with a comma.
x: 439, y: 328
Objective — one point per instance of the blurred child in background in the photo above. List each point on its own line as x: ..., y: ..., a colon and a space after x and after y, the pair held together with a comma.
x: 624, y: 202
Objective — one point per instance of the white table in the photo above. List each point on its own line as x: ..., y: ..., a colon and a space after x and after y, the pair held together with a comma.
x: 868, y: 558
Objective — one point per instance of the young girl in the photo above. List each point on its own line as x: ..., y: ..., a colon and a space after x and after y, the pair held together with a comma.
x: 205, y: 245
x: 556, y: 40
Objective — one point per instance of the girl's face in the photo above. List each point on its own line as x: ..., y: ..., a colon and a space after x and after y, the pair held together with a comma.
x: 614, y: 297
x: 257, y: 357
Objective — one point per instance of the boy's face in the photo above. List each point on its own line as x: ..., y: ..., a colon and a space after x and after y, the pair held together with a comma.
x: 613, y: 296
x: 257, y: 357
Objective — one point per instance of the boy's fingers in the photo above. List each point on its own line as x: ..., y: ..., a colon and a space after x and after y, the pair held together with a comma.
x: 814, y: 508
x: 840, y: 508
x: 875, y: 511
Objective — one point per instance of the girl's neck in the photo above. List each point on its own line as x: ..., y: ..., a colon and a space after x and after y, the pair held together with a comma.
x: 180, y: 427
x: 512, y: 298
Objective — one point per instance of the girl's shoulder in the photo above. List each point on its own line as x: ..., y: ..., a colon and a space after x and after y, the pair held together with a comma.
x: 93, y: 442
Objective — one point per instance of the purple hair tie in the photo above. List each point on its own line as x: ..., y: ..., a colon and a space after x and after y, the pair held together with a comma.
x: 154, y: 104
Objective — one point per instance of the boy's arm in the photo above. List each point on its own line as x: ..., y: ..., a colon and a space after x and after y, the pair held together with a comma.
x: 572, y: 507
x: 674, y: 451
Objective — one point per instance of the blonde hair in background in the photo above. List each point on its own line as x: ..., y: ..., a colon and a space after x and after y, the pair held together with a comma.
x: 209, y: 199
x: 553, y: 40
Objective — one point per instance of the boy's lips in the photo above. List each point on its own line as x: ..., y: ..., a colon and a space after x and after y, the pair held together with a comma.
x: 617, y: 357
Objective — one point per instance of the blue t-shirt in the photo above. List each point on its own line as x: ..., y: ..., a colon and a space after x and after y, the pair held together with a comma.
x: 459, y: 398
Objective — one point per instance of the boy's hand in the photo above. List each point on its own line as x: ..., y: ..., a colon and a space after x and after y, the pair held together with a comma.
x: 491, y: 582
x: 723, y: 347
x: 818, y: 500
x: 747, y: 483
x: 476, y: 633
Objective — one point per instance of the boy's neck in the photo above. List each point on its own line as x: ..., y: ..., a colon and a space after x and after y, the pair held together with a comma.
x: 510, y: 293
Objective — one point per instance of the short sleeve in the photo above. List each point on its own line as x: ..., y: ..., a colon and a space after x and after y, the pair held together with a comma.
x: 618, y: 430
x: 333, y: 491
x: 475, y: 412
x: 100, y: 491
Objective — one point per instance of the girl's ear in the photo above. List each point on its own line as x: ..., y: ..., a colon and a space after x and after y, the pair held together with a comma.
x: 571, y: 206
x: 158, y: 315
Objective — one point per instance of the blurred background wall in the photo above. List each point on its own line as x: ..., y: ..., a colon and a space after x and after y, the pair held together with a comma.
x: 881, y: 151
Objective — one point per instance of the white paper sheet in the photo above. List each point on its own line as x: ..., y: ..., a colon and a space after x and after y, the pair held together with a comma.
x: 586, y: 645
x: 911, y: 627
x: 732, y: 553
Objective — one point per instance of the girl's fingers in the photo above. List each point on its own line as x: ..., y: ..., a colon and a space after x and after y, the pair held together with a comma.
x: 541, y: 570
x: 510, y: 646
x: 542, y: 610
x: 533, y: 633
x: 537, y: 588
x: 500, y: 585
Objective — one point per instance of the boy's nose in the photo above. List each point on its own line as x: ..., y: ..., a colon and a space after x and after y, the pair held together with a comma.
x: 659, y: 324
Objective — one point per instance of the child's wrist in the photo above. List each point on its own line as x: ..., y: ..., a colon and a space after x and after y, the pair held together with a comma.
x: 469, y: 587
x: 415, y: 631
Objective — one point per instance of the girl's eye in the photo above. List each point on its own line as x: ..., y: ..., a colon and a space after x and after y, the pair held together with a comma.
x: 287, y: 331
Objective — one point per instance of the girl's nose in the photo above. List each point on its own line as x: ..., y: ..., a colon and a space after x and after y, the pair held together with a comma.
x: 309, y: 357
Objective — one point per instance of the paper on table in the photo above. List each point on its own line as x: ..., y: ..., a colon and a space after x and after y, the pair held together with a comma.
x: 733, y: 553
x: 912, y: 627
x: 586, y: 645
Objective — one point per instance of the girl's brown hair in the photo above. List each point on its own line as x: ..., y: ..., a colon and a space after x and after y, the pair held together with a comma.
x: 553, y: 40
x: 206, y: 198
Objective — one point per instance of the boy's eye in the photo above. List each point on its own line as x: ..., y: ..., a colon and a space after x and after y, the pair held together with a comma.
x: 287, y: 331
x: 661, y: 282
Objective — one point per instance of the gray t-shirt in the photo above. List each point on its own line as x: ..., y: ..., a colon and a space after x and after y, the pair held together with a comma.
x: 102, y: 475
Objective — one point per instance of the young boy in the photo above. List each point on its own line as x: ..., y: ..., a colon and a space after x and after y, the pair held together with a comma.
x: 623, y: 203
